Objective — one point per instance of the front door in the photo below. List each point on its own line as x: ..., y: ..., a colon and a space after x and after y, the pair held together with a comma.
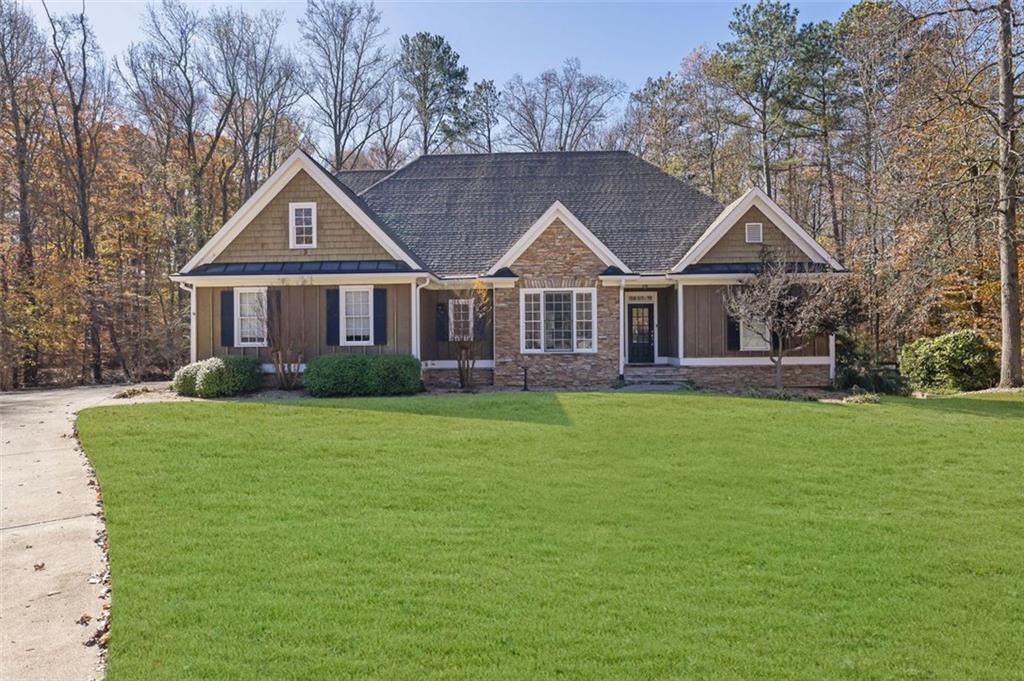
x: 641, y: 333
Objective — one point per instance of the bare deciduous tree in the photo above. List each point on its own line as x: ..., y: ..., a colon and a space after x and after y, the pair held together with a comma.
x: 788, y: 310
x: 395, y: 121
x: 347, y: 66
x: 560, y: 110
x: 80, y: 97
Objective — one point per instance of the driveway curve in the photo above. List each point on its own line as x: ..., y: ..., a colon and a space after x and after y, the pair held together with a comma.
x: 51, y: 594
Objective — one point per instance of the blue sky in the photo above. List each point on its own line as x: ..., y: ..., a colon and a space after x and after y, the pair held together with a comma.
x: 629, y: 41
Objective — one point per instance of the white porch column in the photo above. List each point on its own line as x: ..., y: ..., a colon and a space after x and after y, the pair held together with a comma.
x: 414, y: 313
x: 192, y: 341
x: 832, y: 357
x: 679, y: 317
x: 622, y: 327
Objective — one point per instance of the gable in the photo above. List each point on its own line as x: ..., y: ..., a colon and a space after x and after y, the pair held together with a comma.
x: 339, y: 236
x: 733, y: 246
x: 562, y: 216
x: 337, y: 197
x: 557, y: 253
x: 755, y: 203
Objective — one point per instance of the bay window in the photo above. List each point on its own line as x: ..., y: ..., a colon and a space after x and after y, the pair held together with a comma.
x: 558, y: 320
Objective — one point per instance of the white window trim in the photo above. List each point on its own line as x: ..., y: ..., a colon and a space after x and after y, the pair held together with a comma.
x: 342, y: 316
x: 752, y: 348
x: 522, y: 320
x: 760, y: 232
x: 452, y: 302
x: 238, y: 319
x: 291, y: 224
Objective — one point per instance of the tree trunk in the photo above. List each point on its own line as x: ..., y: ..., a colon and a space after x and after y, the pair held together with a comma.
x: 1009, y: 274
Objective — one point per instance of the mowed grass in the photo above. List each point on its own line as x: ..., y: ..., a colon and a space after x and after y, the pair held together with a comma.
x: 564, y: 536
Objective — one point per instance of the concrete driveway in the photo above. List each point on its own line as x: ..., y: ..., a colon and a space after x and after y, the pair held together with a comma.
x: 50, y: 562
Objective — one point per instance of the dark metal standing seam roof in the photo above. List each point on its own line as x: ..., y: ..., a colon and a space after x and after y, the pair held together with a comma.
x: 301, y: 267
x: 460, y: 213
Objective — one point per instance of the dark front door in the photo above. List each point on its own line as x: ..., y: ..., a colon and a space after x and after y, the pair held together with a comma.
x: 641, y: 333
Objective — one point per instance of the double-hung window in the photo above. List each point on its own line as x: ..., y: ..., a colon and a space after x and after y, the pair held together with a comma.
x: 250, y: 317
x: 754, y: 337
x: 302, y: 225
x: 460, y: 319
x: 356, y: 315
x: 558, y: 320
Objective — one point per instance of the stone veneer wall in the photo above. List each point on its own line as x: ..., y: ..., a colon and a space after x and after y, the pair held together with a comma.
x: 738, y: 378
x: 447, y: 379
x: 557, y: 259
x: 735, y: 377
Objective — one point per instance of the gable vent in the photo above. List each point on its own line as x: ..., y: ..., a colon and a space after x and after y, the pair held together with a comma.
x: 754, y: 232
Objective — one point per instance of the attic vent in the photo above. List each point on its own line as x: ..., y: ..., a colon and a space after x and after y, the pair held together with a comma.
x: 754, y: 235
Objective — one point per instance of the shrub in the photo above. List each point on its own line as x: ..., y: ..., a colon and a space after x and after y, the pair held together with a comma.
x: 351, y: 375
x: 227, y: 376
x: 184, y: 382
x: 857, y: 368
x: 960, y: 360
x: 396, y: 374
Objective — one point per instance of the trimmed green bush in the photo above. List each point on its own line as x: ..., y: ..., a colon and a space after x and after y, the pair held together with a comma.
x: 960, y: 360
x: 352, y: 375
x: 227, y: 376
x: 184, y: 382
x: 396, y: 374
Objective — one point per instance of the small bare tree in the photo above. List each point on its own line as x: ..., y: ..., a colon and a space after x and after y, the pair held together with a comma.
x: 286, y: 343
x: 787, y: 309
x: 469, y: 310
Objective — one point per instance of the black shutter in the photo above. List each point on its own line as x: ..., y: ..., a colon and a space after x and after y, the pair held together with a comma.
x: 442, y: 322
x: 227, y: 318
x: 732, y: 341
x: 380, y: 316
x: 274, y: 314
x: 333, y: 318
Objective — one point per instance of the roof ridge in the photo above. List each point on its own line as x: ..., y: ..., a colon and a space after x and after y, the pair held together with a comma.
x: 525, y: 153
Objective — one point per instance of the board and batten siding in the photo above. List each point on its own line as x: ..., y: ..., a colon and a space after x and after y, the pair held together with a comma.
x: 433, y: 349
x: 733, y: 246
x: 338, y: 235
x: 705, y: 327
x: 304, y: 309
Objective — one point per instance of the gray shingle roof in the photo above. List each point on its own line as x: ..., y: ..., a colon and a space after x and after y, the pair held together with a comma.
x: 460, y: 213
x: 359, y: 180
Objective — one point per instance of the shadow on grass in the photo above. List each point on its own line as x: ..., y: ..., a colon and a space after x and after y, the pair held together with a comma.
x: 534, y: 407
x: 1000, y: 407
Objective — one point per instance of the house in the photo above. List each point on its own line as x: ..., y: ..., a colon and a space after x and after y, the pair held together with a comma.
x: 599, y: 267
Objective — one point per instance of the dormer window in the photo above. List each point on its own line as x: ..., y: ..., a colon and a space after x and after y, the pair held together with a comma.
x: 754, y: 232
x: 302, y: 225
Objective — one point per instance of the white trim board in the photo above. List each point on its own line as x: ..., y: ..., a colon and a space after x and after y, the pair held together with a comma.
x: 295, y: 163
x: 752, y: 361
x: 454, y: 364
x: 730, y: 216
x: 558, y: 212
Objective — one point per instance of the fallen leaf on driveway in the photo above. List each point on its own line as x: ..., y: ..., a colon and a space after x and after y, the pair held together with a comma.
x: 39, y: 566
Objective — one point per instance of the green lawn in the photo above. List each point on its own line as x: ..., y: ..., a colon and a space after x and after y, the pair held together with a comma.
x: 564, y: 536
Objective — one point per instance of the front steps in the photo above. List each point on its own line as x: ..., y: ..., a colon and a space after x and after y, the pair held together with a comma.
x: 652, y: 374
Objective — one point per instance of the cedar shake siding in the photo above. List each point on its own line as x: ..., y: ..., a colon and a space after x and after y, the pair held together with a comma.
x: 733, y: 246
x: 557, y: 259
x: 339, y: 236
x: 304, y: 315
